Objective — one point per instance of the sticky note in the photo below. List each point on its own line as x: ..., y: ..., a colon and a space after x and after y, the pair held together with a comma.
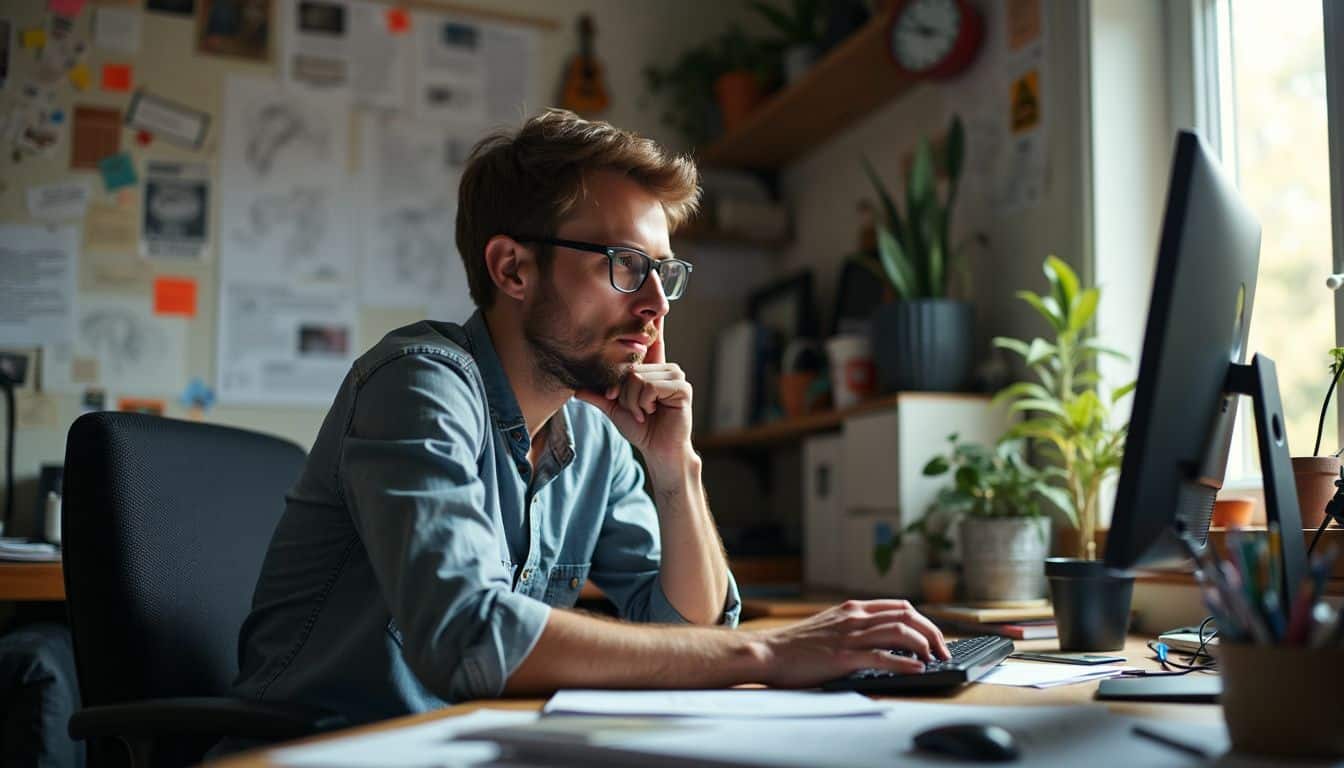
x: 398, y: 21
x: 116, y: 77
x: 34, y: 38
x: 118, y: 171
x: 79, y: 77
x: 67, y: 8
x: 175, y: 296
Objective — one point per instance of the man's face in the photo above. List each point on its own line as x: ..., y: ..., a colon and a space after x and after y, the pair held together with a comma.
x: 583, y: 332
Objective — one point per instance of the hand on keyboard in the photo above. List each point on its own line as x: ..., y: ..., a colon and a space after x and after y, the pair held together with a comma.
x: 858, y: 634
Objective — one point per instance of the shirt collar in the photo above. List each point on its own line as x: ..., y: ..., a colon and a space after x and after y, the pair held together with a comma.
x: 503, y: 405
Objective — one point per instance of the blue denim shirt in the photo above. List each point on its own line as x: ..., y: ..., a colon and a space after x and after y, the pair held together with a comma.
x: 419, y: 555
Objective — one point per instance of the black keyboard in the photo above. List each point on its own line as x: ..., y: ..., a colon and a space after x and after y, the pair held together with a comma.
x: 972, y: 657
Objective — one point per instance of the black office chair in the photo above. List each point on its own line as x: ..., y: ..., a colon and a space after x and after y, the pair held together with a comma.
x: 165, y: 525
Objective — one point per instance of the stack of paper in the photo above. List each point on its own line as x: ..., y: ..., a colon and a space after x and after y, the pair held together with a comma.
x: 28, y: 551
x: 1049, y: 675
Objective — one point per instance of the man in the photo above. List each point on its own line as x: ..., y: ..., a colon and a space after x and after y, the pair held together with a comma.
x: 469, y: 479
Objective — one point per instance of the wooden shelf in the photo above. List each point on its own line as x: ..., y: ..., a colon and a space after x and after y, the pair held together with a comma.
x: 792, y: 430
x: 855, y: 78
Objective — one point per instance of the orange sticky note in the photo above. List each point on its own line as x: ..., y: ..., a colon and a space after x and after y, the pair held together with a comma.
x: 79, y: 77
x: 116, y: 77
x: 398, y: 21
x: 175, y: 296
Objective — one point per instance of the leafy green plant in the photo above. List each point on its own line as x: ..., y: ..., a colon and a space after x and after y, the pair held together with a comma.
x: 1336, y: 368
x: 1067, y: 418
x: 987, y: 482
x: 801, y: 24
x: 913, y: 248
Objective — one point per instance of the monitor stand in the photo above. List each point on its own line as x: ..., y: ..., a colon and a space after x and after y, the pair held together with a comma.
x: 1259, y: 382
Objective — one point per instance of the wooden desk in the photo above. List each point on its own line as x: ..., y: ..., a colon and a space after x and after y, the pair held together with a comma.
x: 994, y: 695
x: 31, y: 581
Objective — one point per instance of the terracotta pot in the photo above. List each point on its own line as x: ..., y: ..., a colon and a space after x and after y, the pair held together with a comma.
x: 793, y: 388
x: 1315, y: 477
x: 738, y: 93
x: 1232, y: 513
x: 938, y: 585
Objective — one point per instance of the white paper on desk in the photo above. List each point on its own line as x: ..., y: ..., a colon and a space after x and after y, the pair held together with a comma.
x: 1048, y: 736
x: 732, y: 702
x: 423, y: 744
x: 1048, y: 675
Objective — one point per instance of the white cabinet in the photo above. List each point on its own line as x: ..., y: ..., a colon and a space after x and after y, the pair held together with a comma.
x: 823, y: 512
x: 884, y: 487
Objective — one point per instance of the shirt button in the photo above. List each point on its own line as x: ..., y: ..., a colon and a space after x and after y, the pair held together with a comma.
x: 526, y: 573
x: 574, y: 583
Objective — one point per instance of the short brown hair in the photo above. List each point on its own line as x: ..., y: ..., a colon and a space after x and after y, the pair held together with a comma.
x: 525, y: 183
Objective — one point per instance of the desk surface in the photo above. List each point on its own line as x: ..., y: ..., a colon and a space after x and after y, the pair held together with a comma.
x: 31, y: 581
x: 998, y: 695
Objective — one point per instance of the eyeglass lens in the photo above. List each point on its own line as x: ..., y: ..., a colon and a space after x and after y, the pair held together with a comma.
x: 628, y: 269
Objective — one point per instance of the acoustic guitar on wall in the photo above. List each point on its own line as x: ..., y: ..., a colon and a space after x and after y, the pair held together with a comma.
x: 584, y: 90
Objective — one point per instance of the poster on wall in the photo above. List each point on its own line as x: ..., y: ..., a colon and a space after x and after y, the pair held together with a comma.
x: 470, y: 71
x: 176, y: 211
x: 410, y: 177
x: 283, y: 345
x: 284, y: 188
x: 344, y: 46
x: 37, y: 284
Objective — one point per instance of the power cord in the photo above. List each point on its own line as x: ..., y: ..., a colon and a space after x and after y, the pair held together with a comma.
x: 1199, y: 660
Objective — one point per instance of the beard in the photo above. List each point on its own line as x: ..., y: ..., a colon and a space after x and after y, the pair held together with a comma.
x: 573, y: 358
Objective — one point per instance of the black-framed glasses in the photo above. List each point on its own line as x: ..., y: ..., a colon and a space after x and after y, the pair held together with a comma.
x: 630, y: 267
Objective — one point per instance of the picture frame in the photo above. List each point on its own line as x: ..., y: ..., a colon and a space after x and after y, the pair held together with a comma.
x: 785, y: 307
x: 237, y: 28
x: 858, y: 293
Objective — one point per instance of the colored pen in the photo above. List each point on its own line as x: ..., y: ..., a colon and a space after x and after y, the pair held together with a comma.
x: 1167, y: 741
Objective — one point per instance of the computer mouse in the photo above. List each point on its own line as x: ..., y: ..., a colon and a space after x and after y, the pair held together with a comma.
x: 969, y: 741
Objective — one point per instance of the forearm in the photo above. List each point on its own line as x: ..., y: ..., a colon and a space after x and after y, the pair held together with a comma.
x: 694, y: 571
x: 580, y: 651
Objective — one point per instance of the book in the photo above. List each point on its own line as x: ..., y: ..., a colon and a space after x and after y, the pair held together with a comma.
x: 1044, y: 629
x: 948, y: 612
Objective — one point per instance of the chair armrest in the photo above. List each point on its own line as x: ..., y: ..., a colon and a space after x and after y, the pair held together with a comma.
x: 217, y: 716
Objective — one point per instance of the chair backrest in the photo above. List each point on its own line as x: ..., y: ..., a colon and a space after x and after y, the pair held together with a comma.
x: 165, y: 524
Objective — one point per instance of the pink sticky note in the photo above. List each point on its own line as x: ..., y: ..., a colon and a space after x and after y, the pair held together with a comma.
x: 67, y: 8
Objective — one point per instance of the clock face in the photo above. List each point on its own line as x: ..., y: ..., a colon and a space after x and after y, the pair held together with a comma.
x: 925, y: 33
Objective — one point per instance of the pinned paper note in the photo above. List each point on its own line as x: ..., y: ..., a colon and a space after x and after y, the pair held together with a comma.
x: 67, y: 8
x: 398, y: 21
x: 33, y: 38
x: 118, y: 171
x: 117, y: 77
x: 151, y: 406
x: 175, y: 296
x: 117, y: 29
x: 59, y: 202
x: 79, y: 77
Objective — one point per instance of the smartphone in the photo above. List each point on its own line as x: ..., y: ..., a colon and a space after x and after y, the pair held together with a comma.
x: 1069, y: 658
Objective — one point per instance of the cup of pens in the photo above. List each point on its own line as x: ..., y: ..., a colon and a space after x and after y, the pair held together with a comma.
x: 1281, y: 661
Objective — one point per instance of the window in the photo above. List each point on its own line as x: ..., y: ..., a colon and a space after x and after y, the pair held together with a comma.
x: 1266, y: 110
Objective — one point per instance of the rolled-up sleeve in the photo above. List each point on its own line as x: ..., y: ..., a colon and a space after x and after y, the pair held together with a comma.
x: 627, y: 562
x: 411, y: 479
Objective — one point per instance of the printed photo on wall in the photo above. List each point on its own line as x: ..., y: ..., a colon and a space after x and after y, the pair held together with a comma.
x: 176, y: 211
x: 240, y: 28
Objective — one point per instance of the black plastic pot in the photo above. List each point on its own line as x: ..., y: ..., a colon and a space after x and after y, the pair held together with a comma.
x: 924, y: 345
x: 1091, y: 603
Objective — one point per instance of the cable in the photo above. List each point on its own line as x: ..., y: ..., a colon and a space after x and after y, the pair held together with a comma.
x: 1194, y: 663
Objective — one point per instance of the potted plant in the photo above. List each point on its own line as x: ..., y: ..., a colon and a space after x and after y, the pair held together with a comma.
x: 1069, y: 421
x: 800, y: 30
x: 924, y: 339
x: 687, y: 87
x: 1315, y: 475
x: 995, y: 499
x: 746, y: 69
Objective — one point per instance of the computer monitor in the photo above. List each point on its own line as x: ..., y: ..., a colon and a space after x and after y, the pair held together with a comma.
x: 1191, y: 371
